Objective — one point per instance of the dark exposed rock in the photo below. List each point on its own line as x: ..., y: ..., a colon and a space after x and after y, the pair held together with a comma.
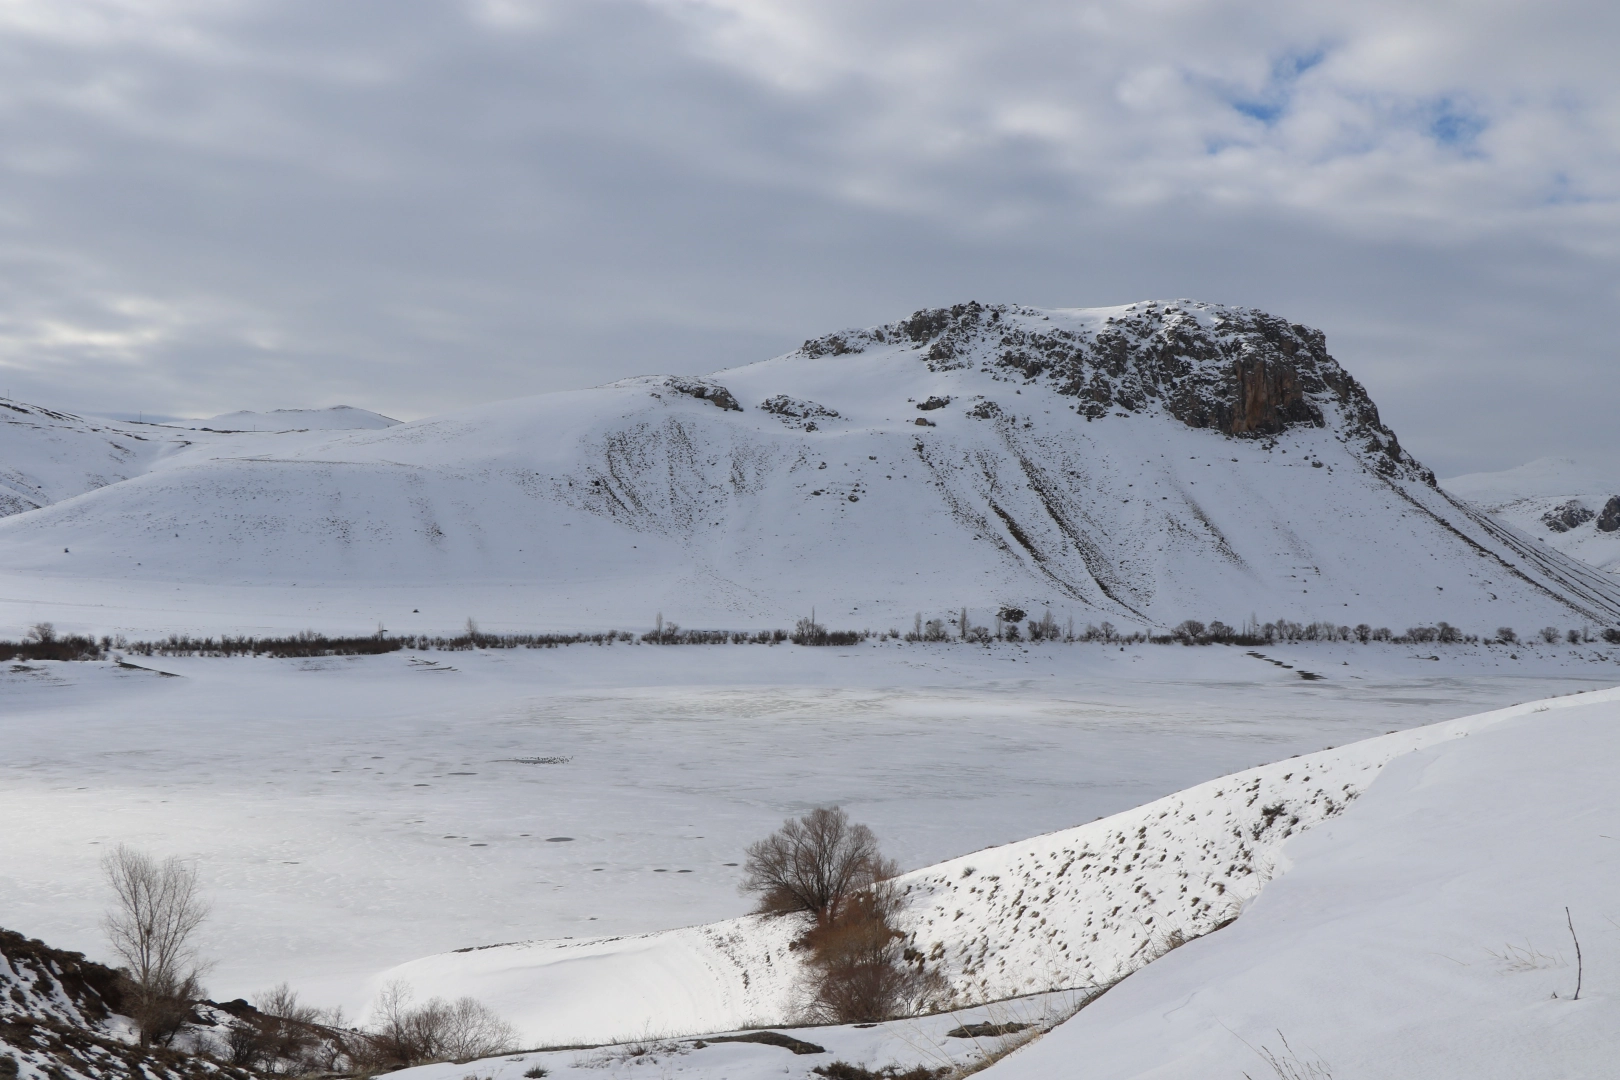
x: 769, y: 1038
x: 704, y: 390
x: 985, y: 1030
x: 934, y: 403
x: 1568, y: 516
x: 1609, y: 519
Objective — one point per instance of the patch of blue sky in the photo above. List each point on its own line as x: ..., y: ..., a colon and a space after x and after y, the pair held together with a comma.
x: 1456, y: 125
x: 1272, y: 100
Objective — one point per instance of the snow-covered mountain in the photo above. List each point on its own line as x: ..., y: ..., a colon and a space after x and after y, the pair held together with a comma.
x: 336, y: 418
x: 1142, y: 464
x: 1561, y: 502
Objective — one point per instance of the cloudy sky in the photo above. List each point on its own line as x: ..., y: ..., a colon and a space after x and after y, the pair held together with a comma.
x: 412, y: 205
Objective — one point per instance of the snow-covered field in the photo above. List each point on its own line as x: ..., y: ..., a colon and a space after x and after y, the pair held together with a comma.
x: 353, y: 814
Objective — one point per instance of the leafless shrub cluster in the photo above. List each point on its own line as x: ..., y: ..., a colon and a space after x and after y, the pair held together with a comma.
x: 858, y: 966
x: 281, y: 1034
x: 862, y: 970
x: 403, y: 1034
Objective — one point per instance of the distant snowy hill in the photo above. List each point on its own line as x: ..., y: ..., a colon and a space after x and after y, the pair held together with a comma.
x: 337, y: 418
x: 1142, y: 464
x: 1561, y: 502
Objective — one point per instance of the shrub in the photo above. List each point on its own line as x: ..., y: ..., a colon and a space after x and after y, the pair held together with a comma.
x: 436, y: 1030
x: 1507, y: 635
x: 813, y: 864
x: 843, y: 1070
x: 1189, y: 632
x: 1550, y: 635
x: 861, y: 970
x: 1046, y: 629
x: 1611, y: 635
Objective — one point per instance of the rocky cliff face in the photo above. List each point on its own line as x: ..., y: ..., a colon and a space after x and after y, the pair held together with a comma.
x: 1237, y: 370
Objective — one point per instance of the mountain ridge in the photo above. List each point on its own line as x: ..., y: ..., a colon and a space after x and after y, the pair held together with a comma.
x: 1144, y: 463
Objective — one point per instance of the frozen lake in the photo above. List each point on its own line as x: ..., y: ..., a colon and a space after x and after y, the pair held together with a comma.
x: 348, y: 814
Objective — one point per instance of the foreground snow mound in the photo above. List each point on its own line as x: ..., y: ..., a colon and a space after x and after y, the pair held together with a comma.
x: 956, y: 1043
x: 1077, y: 909
x: 1562, y: 503
x: 1423, y: 936
x: 1143, y: 464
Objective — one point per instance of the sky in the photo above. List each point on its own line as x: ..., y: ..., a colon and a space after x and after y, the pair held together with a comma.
x: 417, y: 205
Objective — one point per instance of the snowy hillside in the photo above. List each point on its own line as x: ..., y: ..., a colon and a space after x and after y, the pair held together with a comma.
x: 1424, y: 935
x: 336, y: 418
x: 1562, y: 503
x: 1076, y: 909
x: 46, y: 456
x: 1142, y: 464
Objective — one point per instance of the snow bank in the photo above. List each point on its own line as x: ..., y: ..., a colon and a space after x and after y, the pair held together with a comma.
x: 1422, y: 936
x: 1078, y: 908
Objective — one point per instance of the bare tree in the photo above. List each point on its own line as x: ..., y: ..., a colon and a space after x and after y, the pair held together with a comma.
x: 152, y: 926
x: 813, y: 864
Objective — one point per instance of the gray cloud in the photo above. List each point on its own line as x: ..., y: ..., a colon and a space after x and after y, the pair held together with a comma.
x: 411, y: 205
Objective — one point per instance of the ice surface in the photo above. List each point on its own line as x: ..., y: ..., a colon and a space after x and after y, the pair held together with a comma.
x: 335, y: 806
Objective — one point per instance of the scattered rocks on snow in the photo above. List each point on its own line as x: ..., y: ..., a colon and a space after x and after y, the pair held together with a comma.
x: 797, y: 412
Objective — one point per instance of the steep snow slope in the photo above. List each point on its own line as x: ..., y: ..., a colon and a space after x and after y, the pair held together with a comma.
x: 1079, y: 908
x: 1421, y: 936
x: 58, y: 1021
x: 336, y: 418
x: 1562, y: 503
x: 1142, y: 464
x: 47, y: 455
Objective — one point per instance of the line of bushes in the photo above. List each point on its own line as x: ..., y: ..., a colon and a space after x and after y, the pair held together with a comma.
x: 42, y: 642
